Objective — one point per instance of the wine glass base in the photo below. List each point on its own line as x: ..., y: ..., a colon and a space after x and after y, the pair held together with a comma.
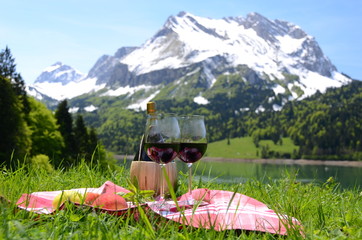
x: 192, y: 202
x: 169, y: 207
x: 162, y: 207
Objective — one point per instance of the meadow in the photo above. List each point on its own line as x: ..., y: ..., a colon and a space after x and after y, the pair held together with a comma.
x: 325, y: 210
x: 244, y: 148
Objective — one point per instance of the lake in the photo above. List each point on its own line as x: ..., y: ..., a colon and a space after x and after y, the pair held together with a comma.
x: 239, y: 172
x: 234, y: 171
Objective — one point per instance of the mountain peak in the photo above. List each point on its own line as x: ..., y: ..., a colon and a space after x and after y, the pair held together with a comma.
x: 265, y: 28
x: 57, y: 63
x: 181, y: 14
x: 254, y: 16
x: 53, y: 67
x: 188, y: 44
x: 254, y: 40
x: 59, y: 73
x: 124, y: 51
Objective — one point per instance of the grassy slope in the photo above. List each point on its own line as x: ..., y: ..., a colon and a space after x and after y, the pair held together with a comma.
x: 245, y: 148
x: 325, y: 211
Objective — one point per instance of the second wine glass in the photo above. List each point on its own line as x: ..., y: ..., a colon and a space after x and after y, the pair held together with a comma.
x: 193, y: 144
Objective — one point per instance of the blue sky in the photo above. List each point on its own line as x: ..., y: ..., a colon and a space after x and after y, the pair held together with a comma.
x: 78, y: 32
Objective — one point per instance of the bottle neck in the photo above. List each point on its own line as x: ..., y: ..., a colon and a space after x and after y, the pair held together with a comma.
x: 151, y: 108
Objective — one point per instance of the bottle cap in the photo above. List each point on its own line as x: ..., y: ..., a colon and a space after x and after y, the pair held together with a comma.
x: 151, y: 107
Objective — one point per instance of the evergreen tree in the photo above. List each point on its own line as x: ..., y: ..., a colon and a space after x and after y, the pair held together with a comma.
x: 80, y: 143
x: 65, y: 122
x: 8, y: 70
x: 93, y: 141
x: 86, y: 140
x: 81, y: 137
x: 7, y: 65
x: 14, y: 134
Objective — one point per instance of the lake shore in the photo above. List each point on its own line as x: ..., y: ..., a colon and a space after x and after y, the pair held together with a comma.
x: 289, y: 161
x: 274, y: 161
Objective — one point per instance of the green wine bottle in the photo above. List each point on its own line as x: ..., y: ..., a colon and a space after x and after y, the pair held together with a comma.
x: 141, y: 154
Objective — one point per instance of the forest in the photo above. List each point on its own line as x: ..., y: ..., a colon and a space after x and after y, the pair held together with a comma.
x: 32, y: 134
x: 324, y: 126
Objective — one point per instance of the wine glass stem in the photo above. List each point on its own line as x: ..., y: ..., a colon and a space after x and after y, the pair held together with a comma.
x: 162, y: 193
x: 190, y: 178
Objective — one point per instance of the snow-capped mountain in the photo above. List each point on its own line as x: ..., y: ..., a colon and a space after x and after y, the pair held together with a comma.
x: 59, y: 73
x: 271, y: 47
x: 264, y: 45
x: 60, y: 81
x: 191, y: 47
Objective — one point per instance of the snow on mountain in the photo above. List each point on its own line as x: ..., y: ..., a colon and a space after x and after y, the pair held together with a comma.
x: 59, y: 91
x: 60, y: 73
x: 200, y: 100
x: 124, y: 90
x: 187, y: 39
x: 143, y: 103
x: 271, y: 47
x: 60, y: 81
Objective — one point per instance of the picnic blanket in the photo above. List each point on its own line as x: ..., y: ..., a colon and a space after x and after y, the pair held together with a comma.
x: 42, y: 202
x: 230, y: 210
x: 224, y: 209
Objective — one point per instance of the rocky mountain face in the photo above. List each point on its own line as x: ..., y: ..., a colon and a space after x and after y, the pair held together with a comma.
x: 188, y: 54
x: 254, y: 41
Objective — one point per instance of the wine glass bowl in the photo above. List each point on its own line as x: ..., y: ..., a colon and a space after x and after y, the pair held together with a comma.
x: 162, y: 153
x: 162, y: 141
x: 192, y: 152
x: 193, y: 143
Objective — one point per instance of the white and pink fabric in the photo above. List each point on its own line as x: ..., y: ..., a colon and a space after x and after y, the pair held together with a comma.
x: 224, y: 210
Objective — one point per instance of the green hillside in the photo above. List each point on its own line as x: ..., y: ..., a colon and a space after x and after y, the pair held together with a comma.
x: 244, y: 118
x: 244, y: 148
x: 323, y: 126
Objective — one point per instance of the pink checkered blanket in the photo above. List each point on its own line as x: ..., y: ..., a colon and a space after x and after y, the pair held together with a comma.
x: 223, y: 210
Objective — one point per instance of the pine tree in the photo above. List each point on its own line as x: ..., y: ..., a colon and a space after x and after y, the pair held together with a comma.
x: 65, y: 122
x: 8, y: 70
x: 81, y: 137
x: 14, y: 134
x: 7, y: 65
x: 93, y: 140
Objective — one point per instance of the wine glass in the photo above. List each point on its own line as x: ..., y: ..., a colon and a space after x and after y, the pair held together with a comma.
x: 193, y: 144
x: 162, y: 142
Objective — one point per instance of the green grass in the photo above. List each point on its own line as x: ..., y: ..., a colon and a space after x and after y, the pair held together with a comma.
x: 245, y: 148
x: 326, y: 211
